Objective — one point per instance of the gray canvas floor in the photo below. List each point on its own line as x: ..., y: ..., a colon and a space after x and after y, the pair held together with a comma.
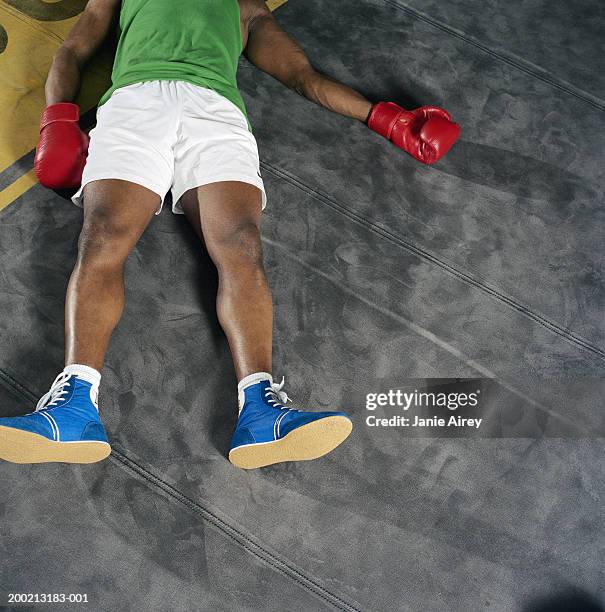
x: 487, y: 264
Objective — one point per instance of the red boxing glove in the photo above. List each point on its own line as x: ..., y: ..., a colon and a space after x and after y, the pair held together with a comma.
x: 426, y: 133
x: 62, y: 149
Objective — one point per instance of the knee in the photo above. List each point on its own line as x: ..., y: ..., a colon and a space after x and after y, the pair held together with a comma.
x: 103, y: 238
x: 241, y: 246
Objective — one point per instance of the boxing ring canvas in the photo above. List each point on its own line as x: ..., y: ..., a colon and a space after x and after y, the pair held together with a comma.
x: 488, y: 265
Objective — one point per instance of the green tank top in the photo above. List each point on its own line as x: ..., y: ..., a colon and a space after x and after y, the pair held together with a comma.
x: 198, y: 41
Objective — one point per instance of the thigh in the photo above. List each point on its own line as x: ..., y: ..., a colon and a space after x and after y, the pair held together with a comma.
x: 219, y: 211
x: 118, y: 211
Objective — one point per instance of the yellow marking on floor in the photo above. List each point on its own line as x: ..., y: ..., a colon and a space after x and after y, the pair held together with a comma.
x: 273, y: 4
x: 24, y: 65
x: 53, y: 29
x: 17, y: 189
x: 23, y: 69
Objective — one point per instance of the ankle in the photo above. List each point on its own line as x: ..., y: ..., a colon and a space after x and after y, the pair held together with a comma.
x: 84, y: 372
x: 249, y: 381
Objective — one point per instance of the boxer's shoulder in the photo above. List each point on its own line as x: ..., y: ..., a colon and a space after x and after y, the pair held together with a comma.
x: 252, y: 9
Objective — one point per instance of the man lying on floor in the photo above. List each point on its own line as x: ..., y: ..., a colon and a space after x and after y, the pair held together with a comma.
x: 174, y: 120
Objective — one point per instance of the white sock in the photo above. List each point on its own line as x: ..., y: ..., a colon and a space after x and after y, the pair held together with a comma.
x: 84, y: 372
x: 90, y: 375
x: 248, y: 381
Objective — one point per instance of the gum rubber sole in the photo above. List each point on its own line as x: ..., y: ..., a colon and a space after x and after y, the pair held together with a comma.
x: 302, y: 444
x: 18, y: 446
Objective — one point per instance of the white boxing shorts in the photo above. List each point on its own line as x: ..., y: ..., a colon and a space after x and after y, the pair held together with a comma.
x: 171, y: 136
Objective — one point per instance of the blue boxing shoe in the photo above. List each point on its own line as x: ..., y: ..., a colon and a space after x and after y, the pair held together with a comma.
x: 269, y: 432
x: 65, y: 427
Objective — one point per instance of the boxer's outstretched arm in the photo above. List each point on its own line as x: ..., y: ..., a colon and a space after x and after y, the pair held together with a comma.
x: 84, y: 39
x: 274, y: 52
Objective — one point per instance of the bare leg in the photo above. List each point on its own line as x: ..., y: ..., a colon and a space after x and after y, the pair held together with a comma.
x: 115, y: 215
x: 227, y: 216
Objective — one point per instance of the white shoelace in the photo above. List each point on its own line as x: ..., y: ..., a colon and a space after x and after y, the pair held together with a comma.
x: 275, y: 396
x: 57, y: 391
